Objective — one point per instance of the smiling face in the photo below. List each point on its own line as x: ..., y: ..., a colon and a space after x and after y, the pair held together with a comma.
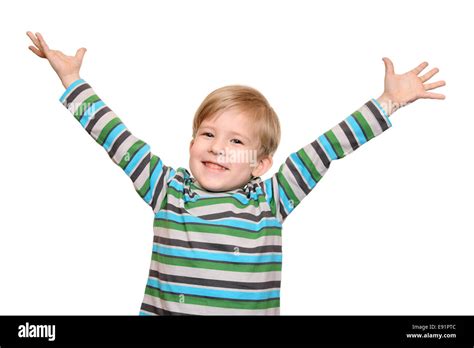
x: 223, y: 153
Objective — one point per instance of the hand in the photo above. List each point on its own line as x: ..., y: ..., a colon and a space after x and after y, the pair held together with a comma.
x: 400, y: 90
x: 67, y: 67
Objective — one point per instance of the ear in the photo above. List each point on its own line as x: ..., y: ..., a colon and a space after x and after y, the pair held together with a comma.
x: 264, y: 164
x: 191, y: 144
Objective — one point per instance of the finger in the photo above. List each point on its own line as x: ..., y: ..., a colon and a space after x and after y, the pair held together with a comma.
x: 80, y: 53
x: 431, y: 95
x: 43, y: 44
x: 430, y: 86
x: 37, y: 51
x: 34, y: 39
x: 420, y: 68
x: 388, y: 66
x: 429, y: 74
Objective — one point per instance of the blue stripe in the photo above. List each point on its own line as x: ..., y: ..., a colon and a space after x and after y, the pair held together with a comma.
x: 383, y: 111
x: 137, y: 158
x: 171, y: 174
x: 113, y: 135
x: 209, y: 256
x: 268, y: 190
x: 286, y: 203
x: 327, y: 146
x: 303, y: 170
x: 69, y: 89
x: 145, y: 314
x: 229, y: 294
x: 153, y: 180
x: 356, y: 130
x: 252, y: 226
x: 92, y: 109
x: 176, y: 185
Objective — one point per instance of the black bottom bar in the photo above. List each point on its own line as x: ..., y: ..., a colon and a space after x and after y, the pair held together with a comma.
x: 428, y: 331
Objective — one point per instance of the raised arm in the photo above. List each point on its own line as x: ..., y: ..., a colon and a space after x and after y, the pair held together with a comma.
x: 146, y: 170
x: 304, y: 168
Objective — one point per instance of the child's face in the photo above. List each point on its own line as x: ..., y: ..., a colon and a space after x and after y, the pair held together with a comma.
x: 227, y: 140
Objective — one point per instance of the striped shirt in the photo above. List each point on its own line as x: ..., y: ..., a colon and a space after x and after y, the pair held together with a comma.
x: 217, y: 253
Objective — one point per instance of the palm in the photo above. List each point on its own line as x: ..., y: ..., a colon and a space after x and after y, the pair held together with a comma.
x: 63, y: 65
x: 408, y: 87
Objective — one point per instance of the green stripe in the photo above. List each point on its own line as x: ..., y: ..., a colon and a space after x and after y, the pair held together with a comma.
x: 86, y: 104
x: 335, y: 143
x: 146, y: 186
x: 144, y: 189
x: 153, y: 162
x: 224, y: 230
x: 310, y: 165
x: 127, y: 157
x: 222, y: 266
x: 365, y: 125
x: 209, y: 302
x: 289, y: 192
x: 104, y: 133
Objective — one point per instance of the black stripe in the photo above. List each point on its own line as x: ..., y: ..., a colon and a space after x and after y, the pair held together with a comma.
x: 214, y: 282
x: 321, y: 153
x: 96, y: 118
x: 217, y: 247
x: 377, y: 114
x: 159, y: 311
x: 139, y: 169
x: 159, y: 187
x: 215, y: 298
x: 220, y: 261
x: 76, y: 92
x: 296, y: 174
x: 119, y: 141
x: 286, y: 193
x: 349, y: 135
x: 282, y: 212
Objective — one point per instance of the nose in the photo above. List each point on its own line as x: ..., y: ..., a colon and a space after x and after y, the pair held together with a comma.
x: 217, y: 147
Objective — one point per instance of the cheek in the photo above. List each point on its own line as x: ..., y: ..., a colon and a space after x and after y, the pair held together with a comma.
x: 195, y: 149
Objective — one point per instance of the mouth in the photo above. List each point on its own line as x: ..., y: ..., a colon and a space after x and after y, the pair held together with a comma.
x: 214, y: 166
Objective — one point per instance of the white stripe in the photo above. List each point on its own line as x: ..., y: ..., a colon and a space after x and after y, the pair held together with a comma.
x: 247, y: 277
x: 204, y: 310
x: 217, y: 238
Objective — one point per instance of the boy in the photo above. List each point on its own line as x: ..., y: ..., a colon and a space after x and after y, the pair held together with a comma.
x: 217, y: 232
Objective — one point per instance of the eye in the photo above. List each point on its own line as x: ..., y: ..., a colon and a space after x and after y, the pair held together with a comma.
x: 238, y: 141
x: 207, y: 134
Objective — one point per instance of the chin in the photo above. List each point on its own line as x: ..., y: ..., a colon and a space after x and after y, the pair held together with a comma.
x: 214, y: 188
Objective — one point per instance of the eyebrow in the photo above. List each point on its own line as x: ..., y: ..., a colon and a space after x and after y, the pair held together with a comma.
x: 233, y: 132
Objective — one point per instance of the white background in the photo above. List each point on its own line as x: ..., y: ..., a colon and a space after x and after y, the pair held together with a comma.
x: 388, y: 230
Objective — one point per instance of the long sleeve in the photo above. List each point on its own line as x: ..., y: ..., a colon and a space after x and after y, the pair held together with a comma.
x: 146, y: 170
x: 304, y: 168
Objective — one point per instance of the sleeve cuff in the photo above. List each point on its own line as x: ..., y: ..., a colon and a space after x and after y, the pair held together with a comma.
x: 69, y: 89
x: 382, y: 110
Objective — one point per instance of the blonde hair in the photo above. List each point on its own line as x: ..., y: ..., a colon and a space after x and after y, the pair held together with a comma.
x: 250, y: 102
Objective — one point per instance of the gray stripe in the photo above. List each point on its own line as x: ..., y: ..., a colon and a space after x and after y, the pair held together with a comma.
x: 217, y: 247
x: 271, y: 285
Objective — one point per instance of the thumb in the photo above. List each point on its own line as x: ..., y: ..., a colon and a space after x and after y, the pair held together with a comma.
x: 388, y: 66
x: 80, y: 53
